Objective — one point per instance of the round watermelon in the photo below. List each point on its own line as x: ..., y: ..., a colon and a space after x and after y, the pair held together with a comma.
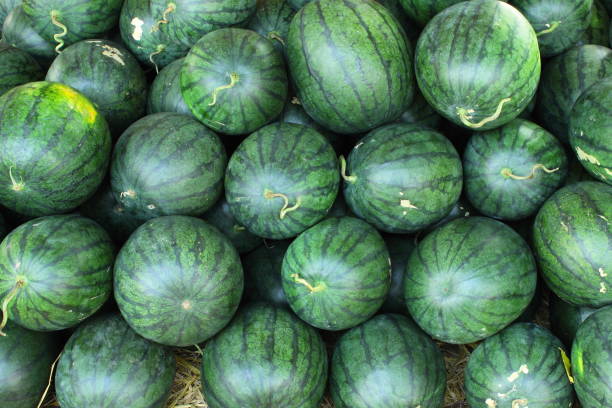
x: 271, y: 20
x: 565, y: 318
x: 400, y: 247
x: 17, y: 67
x: 106, y: 364
x: 55, y: 272
x: 18, y: 31
x: 262, y: 271
x: 468, y: 279
x: 598, y: 30
x: 421, y: 11
x: 478, y: 64
x: 265, y: 358
x: 573, y: 243
x: 387, y: 362
x: 165, y: 91
x: 178, y: 281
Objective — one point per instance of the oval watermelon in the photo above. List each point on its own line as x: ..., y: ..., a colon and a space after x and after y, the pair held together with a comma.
x: 565, y: 318
x: 262, y: 271
x: 400, y: 247
x: 422, y: 11
x: 17, y: 67
x: 18, y: 31
x: 165, y: 92
x: 271, y: 20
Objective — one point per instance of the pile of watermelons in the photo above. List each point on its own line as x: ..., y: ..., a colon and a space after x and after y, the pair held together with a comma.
x: 316, y: 194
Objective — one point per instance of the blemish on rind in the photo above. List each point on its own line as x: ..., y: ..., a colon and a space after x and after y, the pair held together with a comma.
x: 603, y: 218
x: 137, y: 33
x: 602, y: 273
x: 112, y: 53
x: 517, y: 403
x: 505, y: 395
x: 186, y: 305
x: 602, y: 288
x: 407, y: 204
x: 491, y: 403
x: 151, y: 206
x: 523, y: 369
x: 565, y: 227
x: 129, y: 193
x: 584, y: 156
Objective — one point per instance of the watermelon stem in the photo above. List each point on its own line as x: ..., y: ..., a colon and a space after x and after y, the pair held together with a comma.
x: 313, y: 289
x: 17, y: 186
x: 273, y: 35
x: 506, y: 172
x: 44, y: 394
x: 286, y: 209
x: 5, y: 303
x: 164, y: 20
x: 349, y: 179
x: 58, y: 37
x: 549, y: 28
x: 465, y: 115
x: 234, y: 79
x: 160, y: 48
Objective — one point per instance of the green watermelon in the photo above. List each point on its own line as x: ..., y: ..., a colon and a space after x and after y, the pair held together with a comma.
x: 477, y: 63
x: 178, y: 281
x: 298, y: 4
x: 262, y: 271
x: 337, y: 274
x: 168, y: 164
x: 421, y: 113
x: 522, y: 366
x: 55, y: 272
x: 234, y: 81
x: 351, y: 63
x: 265, y: 358
x: 165, y: 92
x: 564, y: 78
x: 592, y: 360
x: 565, y: 318
x: 400, y: 247
x: 573, y: 241
x: 422, y: 11
x: 468, y: 279
x: 599, y: 26
x: 25, y: 365
x: 510, y: 171
x: 401, y: 178
x: 106, y: 364
x: 18, y: 31
x: 55, y: 148
x: 6, y: 6
x: 557, y: 23
x: 590, y: 128
x: 271, y: 20
x: 387, y: 362
x: 281, y: 180
x: 17, y: 67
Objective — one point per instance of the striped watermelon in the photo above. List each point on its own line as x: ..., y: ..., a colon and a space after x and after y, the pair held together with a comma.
x: 522, y: 366
x: 483, y: 72
x: 178, y: 281
x: 402, y: 178
x: 573, y: 243
x: 598, y: 30
x: 337, y: 274
x: 281, y: 180
x: 265, y: 358
x: 17, y: 67
x: 510, y: 171
x: 55, y: 148
x: 262, y: 271
x: 387, y: 362
x: 166, y: 164
x: 422, y: 11
x: 165, y: 92
x: 5, y: 7
x: 469, y: 279
x: 106, y: 364
x: 565, y: 318
x: 19, y: 32
x: 55, y: 272
x: 271, y: 20
x: 351, y: 64
x: 400, y: 247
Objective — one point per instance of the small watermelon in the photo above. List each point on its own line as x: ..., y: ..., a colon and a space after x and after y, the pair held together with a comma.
x: 19, y: 32
x: 271, y: 20
x: 565, y: 318
x: 422, y: 11
x: 400, y: 247
x: 598, y: 29
x: 262, y: 271
x: 165, y: 92
x: 17, y: 67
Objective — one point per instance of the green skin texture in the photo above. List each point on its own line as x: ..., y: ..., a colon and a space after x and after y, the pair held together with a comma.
x: 421, y: 11
x: 282, y: 158
x: 387, y: 362
x: 573, y: 243
x: 265, y: 358
x: 567, y: 19
x: 564, y: 78
x: 54, y: 144
x: 469, y: 279
x: 490, y: 55
x: 178, y: 280
x: 220, y: 216
x: 400, y: 247
x: 259, y: 94
x: 65, y: 263
x: 598, y: 30
x: 398, y: 167
x: 590, y: 127
x: 494, y: 368
x: 421, y: 113
x: 271, y: 20
x: 18, y: 31
x: 351, y: 63
x: 517, y: 146
x: 262, y: 270
x: 298, y: 4
x: 25, y: 363
x: 165, y: 92
x: 565, y: 319
x: 17, y: 67
x: 191, y: 157
x: 592, y: 360
x: 88, y: 64
x: 106, y: 364
x: 5, y: 7
x: 346, y: 260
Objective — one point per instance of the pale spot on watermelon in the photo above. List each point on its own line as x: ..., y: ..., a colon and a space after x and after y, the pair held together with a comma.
x: 137, y: 23
x: 523, y: 369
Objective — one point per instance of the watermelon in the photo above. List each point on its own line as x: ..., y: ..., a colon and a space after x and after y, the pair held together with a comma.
x: 165, y: 92
x: 565, y: 318
x: 337, y: 274
x: 564, y: 78
x: 510, y: 171
x: 55, y: 272
x: 519, y: 367
x: 106, y: 364
x: 25, y: 364
x: 234, y: 81
x: 262, y: 271
x: 265, y: 358
x: 400, y: 247
x: 421, y: 113
x: 351, y: 63
x: 402, y: 178
x: 17, y: 67
x: 18, y: 31
x: 422, y: 11
x: 573, y: 241
x: 178, y: 281
x: 592, y: 360
x: 220, y: 216
x: 387, y: 362
x: 468, y: 279
x: 590, y: 127
x: 271, y: 20
x: 482, y: 73
x: 558, y: 23
x: 5, y: 7
x: 281, y: 180
x: 168, y: 164
x: 55, y: 148
x: 598, y: 29
x: 298, y: 4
